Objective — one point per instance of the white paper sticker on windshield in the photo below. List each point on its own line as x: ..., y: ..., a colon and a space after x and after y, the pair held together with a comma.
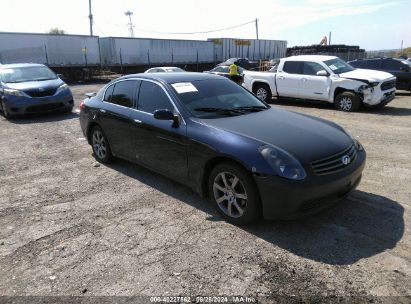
x: 333, y: 67
x: 184, y: 87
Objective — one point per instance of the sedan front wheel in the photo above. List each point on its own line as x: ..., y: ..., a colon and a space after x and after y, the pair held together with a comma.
x: 234, y: 194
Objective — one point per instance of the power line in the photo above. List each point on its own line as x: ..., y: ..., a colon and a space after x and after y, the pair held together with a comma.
x: 201, y: 32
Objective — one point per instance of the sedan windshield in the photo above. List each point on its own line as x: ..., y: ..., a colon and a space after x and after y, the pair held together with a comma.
x: 25, y: 74
x: 214, y: 98
x: 338, y: 66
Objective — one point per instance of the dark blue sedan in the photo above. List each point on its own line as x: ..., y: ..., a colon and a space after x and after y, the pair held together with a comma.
x: 216, y: 137
x: 32, y: 88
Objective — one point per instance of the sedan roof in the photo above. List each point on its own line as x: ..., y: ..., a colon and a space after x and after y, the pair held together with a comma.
x: 175, y: 77
x: 19, y: 65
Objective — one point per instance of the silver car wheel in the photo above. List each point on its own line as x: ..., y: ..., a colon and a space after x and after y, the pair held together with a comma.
x: 346, y: 104
x: 262, y: 94
x: 230, y: 194
x: 99, y: 144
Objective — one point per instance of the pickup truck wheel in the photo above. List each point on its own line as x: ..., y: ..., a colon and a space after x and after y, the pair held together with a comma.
x: 347, y: 102
x: 263, y: 92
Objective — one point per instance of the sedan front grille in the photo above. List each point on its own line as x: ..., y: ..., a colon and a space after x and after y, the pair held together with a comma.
x: 41, y: 93
x: 335, y: 162
x: 388, y: 85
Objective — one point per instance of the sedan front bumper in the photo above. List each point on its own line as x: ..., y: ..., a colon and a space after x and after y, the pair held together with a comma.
x: 21, y: 105
x: 286, y: 199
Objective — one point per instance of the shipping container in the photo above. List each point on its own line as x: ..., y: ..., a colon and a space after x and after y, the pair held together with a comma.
x: 117, y: 51
x: 252, y: 49
x: 49, y: 49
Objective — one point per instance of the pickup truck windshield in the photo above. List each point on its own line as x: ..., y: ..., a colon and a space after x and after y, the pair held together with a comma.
x: 214, y: 98
x: 34, y: 73
x: 338, y: 66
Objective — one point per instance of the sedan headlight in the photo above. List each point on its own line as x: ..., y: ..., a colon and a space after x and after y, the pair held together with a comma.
x: 13, y: 92
x: 63, y: 87
x: 374, y: 84
x: 283, y: 163
x: 357, y: 144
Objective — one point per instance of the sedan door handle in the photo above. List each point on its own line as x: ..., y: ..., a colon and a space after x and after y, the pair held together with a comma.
x: 103, y: 111
x: 280, y: 77
x: 137, y: 121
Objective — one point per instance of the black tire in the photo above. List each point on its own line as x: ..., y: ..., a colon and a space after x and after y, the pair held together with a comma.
x: 347, y: 102
x: 6, y: 113
x: 263, y: 92
x: 100, y: 145
x: 68, y: 110
x: 243, y: 197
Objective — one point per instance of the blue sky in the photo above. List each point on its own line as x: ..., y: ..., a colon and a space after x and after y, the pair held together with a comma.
x: 373, y: 28
x: 371, y: 24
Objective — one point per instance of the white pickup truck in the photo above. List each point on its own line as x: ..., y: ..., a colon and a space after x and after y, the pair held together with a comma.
x: 325, y: 78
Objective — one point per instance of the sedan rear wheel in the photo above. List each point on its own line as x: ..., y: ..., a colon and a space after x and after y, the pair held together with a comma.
x: 101, y: 147
x: 234, y: 194
x: 4, y: 109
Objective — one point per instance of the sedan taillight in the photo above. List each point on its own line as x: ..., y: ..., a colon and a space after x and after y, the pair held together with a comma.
x: 82, y: 106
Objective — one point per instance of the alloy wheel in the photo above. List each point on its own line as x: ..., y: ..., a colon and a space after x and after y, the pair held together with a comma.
x: 230, y: 194
x: 4, y: 109
x: 262, y: 94
x: 99, y: 144
x: 346, y: 104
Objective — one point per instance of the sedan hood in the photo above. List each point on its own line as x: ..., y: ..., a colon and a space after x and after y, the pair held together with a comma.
x: 367, y: 75
x: 306, y: 138
x: 45, y: 84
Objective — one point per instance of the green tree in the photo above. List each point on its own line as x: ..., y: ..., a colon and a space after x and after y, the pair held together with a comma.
x: 56, y: 31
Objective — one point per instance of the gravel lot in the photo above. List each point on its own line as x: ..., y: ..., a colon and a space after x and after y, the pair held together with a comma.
x: 69, y: 226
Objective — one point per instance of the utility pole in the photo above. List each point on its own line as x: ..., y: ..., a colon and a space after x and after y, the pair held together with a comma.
x: 130, y: 24
x: 90, y: 16
x: 329, y: 39
x: 256, y: 27
x: 402, y: 44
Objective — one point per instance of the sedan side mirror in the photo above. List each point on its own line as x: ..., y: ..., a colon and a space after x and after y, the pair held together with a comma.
x: 61, y: 76
x: 166, y: 114
x: 322, y: 73
x: 163, y: 114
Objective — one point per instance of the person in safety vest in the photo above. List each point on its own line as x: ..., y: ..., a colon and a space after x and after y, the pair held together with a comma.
x: 234, y: 75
